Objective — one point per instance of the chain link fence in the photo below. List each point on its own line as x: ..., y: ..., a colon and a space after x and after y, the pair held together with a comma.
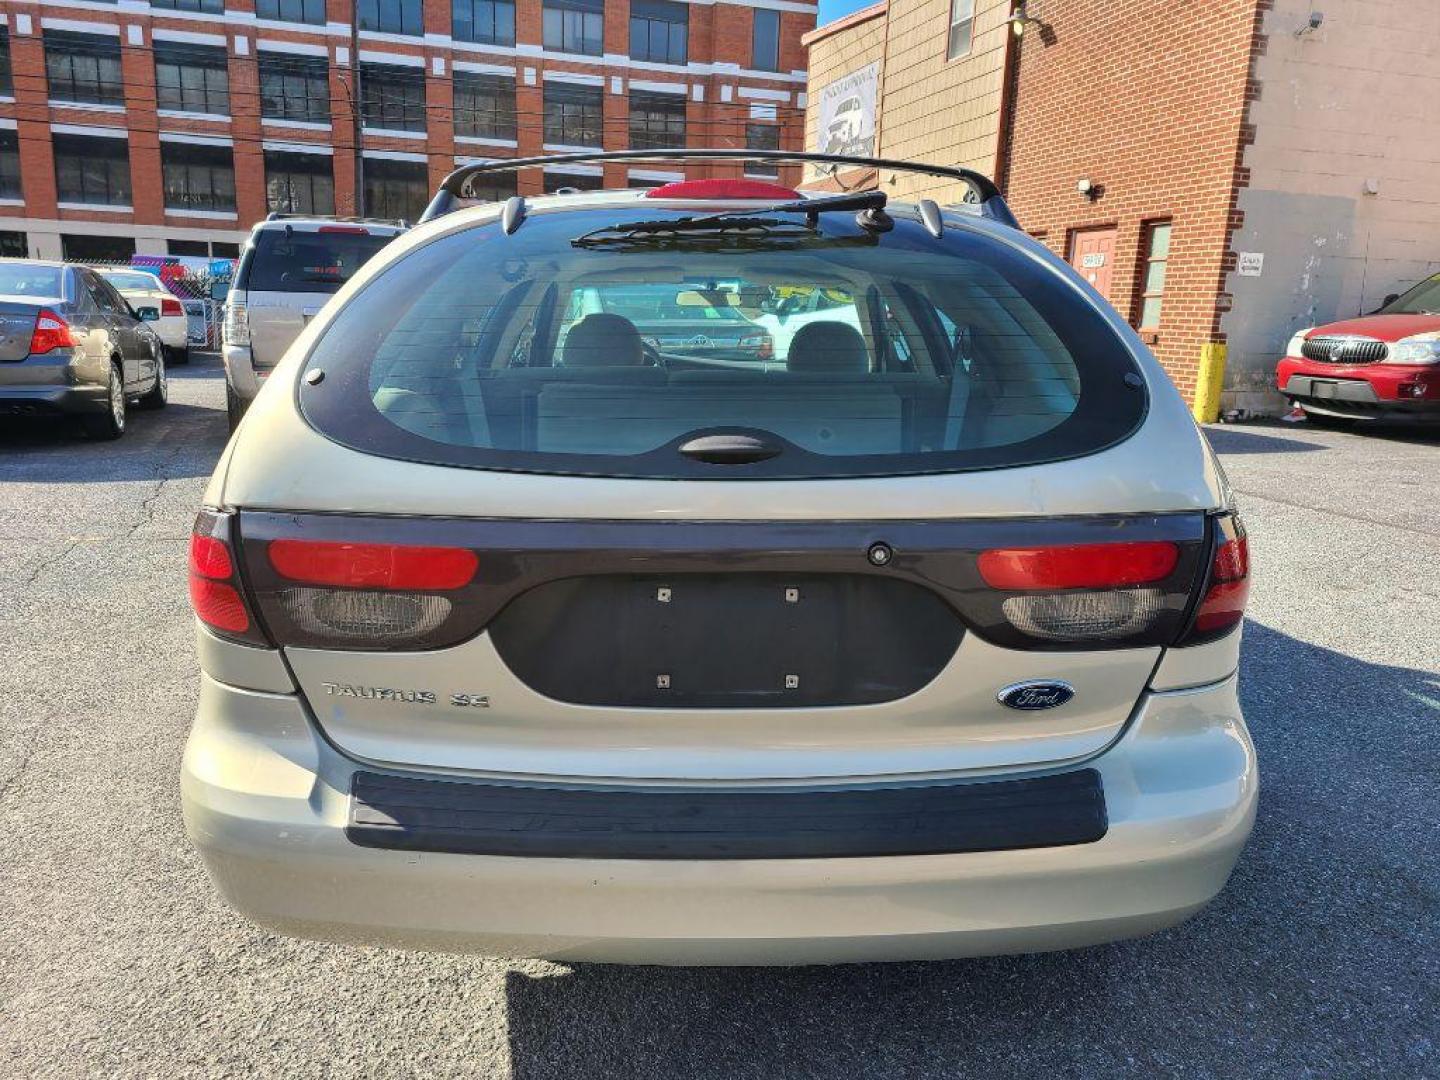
x: 192, y: 280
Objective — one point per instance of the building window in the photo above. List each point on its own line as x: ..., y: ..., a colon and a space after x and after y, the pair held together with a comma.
x: 762, y: 137
x: 299, y: 183
x: 7, y: 82
x: 496, y: 187
x: 92, y: 170
x: 658, y: 31
x: 296, y: 11
x: 392, y: 97
x: 573, y: 114
x: 192, y: 78
x: 491, y: 22
x: 393, y: 16
x: 197, y: 177
x: 212, y: 7
x: 575, y: 26
x: 484, y: 106
x: 9, y: 164
x: 84, y: 68
x: 657, y: 121
x: 14, y: 245
x: 765, y: 41
x: 84, y: 248
x: 396, y: 189
x: 962, y: 26
x: 554, y: 181
x: 294, y: 88
x: 1152, y: 289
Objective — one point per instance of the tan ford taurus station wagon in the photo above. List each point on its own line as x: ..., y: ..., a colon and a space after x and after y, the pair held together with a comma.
x: 530, y: 626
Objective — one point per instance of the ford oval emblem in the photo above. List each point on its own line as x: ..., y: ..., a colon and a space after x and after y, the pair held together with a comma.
x: 1032, y: 696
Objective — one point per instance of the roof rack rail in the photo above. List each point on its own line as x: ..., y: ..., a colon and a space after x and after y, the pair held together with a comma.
x: 277, y: 215
x: 457, y: 185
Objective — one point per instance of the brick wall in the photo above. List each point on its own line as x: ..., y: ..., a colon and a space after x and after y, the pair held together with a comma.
x: 719, y: 70
x: 1148, y: 102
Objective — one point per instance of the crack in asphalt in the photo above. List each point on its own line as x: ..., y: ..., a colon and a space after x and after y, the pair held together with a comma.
x: 27, y: 755
x: 1361, y: 518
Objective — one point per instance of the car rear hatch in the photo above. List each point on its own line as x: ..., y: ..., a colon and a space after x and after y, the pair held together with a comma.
x: 17, y: 326
x: 933, y: 540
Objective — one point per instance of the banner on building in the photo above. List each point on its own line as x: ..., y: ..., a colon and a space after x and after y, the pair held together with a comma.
x: 847, y: 114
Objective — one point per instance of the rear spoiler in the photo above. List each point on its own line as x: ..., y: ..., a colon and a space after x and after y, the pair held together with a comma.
x: 458, y: 186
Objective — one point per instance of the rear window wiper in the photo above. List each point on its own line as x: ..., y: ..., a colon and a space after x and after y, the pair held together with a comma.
x: 751, y: 218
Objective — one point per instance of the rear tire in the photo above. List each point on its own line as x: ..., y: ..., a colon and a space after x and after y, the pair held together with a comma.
x: 1325, y: 420
x: 111, y: 423
x: 234, y: 408
x: 177, y: 356
x: 159, y: 394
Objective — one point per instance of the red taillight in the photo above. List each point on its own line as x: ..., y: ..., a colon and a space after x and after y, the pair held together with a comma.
x: 722, y: 189
x: 1079, y: 566
x: 51, y: 332
x: 1223, y: 605
x: 210, y: 558
x: 218, y: 605
x: 170, y: 306
x: 760, y: 344
x: 214, y: 586
x: 372, y: 566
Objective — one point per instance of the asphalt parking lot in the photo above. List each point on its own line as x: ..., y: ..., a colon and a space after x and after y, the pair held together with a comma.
x: 1321, y: 958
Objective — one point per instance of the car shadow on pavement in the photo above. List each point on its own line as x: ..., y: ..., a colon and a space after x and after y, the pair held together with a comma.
x: 56, y: 451
x: 1229, y: 440
x: 1317, y: 959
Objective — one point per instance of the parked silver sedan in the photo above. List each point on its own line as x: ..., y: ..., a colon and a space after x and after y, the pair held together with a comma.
x: 70, y: 345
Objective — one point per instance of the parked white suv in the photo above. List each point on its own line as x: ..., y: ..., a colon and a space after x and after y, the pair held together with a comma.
x: 290, y: 267
x: 523, y: 635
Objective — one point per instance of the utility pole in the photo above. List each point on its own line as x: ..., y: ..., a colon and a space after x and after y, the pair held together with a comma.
x: 355, y: 100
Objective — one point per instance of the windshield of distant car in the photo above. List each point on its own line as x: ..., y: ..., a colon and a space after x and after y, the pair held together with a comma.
x: 855, y: 352
x: 308, y: 262
x: 21, y: 279
x: 135, y: 282
x: 1423, y: 299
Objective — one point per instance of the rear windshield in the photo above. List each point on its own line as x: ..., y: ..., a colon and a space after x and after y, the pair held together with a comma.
x: 18, y: 279
x: 307, y: 262
x: 132, y: 281
x: 840, y: 353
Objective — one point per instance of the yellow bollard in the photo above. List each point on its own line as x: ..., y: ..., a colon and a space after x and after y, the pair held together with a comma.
x: 1208, y: 382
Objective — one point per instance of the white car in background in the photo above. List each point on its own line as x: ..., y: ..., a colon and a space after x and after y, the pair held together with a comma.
x: 141, y: 288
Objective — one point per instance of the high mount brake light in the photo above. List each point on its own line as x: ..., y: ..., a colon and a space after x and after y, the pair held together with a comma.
x: 350, y: 230
x: 1079, y: 566
x: 51, y: 332
x: 1228, y: 589
x: 722, y: 189
x: 214, y: 588
x: 372, y: 566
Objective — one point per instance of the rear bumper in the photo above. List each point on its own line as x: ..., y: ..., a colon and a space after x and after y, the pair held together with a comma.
x: 49, y: 386
x: 240, y: 372
x: 1361, y: 390
x: 266, y: 801
x: 174, y: 331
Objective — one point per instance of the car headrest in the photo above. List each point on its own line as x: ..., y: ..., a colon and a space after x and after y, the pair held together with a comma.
x: 602, y: 340
x: 828, y: 347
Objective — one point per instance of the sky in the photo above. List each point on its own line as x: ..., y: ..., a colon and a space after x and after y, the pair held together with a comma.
x: 830, y: 10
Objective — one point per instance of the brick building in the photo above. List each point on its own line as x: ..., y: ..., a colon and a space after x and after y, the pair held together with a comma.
x: 170, y: 126
x: 1155, y: 143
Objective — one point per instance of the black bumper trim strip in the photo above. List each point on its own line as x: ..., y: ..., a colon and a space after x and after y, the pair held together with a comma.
x: 412, y: 814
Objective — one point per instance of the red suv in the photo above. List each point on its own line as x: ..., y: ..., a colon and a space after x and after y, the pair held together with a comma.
x: 1384, y: 364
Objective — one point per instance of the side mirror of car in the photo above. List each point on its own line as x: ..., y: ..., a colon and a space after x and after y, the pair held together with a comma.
x: 219, y: 290
x: 148, y: 314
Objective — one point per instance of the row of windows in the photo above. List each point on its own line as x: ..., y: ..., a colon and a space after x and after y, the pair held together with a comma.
x: 96, y: 171
x: 86, y: 67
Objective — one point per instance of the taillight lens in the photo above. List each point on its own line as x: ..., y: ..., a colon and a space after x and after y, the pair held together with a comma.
x: 170, y: 306
x: 373, y: 595
x: 51, y: 332
x: 1077, y: 595
x: 1228, y: 587
x: 214, y: 586
x: 236, y: 328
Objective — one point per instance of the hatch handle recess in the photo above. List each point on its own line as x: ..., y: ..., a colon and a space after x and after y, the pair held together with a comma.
x: 729, y: 449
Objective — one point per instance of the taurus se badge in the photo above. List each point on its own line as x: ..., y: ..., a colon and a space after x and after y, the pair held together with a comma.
x: 1032, y: 696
